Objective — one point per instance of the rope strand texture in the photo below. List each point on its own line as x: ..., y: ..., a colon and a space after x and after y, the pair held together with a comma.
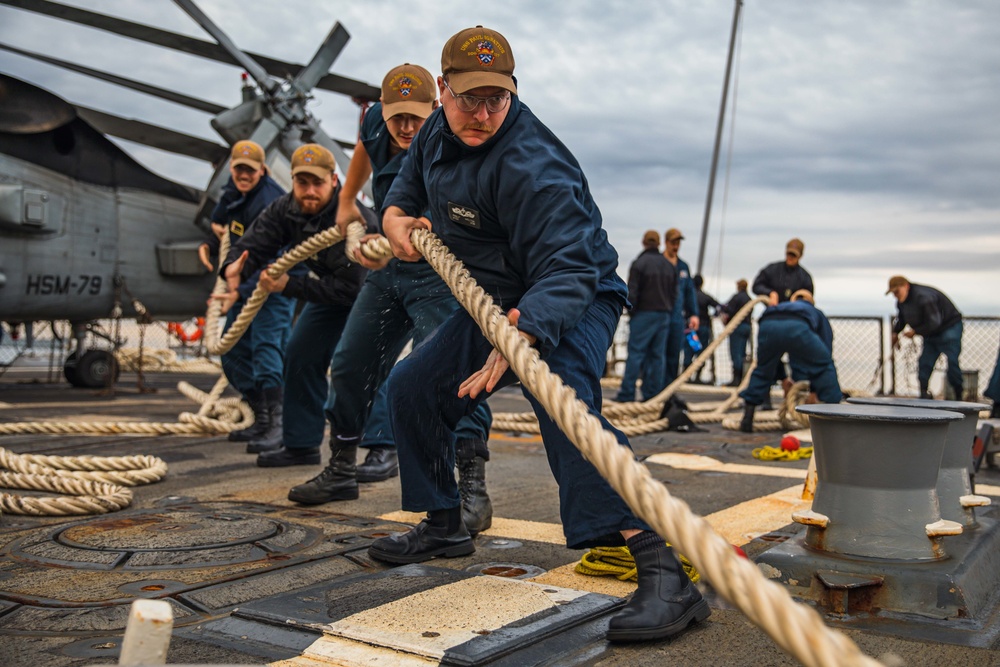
x: 796, y: 628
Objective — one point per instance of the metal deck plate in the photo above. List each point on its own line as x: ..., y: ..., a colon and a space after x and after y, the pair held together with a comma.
x: 204, y: 558
x: 452, y: 616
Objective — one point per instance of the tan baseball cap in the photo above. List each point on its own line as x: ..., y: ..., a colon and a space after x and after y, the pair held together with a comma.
x: 651, y: 238
x: 673, y: 234
x: 313, y: 159
x: 408, y: 89
x: 247, y: 152
x: 478, y: 57
x: 896, y: 281
x: 795, y: 246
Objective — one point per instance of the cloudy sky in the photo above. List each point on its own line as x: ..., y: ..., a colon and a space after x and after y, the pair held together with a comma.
x: 869, y: 129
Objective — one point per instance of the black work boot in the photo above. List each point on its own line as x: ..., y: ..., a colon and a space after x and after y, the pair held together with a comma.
x: 477, y: 509
x: 665, y: 603
x: 338, y: 481
x: 471, y: 455
x: 270, y: 439
x: 746, y: 424
x: 442, y: 533
x: 381, y: 463
x: 282, y: 457
x: 261, y: 418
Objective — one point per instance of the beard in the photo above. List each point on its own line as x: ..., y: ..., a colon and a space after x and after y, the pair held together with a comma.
x: 311, y: 205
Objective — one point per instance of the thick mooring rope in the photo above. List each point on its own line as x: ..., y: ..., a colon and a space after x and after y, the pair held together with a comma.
x: 90, y: 484
x: 304, y: 250
x: 795, y: 627
x: 215, y: 417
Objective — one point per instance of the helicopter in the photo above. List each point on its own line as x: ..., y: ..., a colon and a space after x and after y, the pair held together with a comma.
x: 86, y: 231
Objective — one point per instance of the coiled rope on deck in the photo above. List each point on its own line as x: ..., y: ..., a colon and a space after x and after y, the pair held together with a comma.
x: 215, y: 416
x: 90, y: 484
x: 796, y: 628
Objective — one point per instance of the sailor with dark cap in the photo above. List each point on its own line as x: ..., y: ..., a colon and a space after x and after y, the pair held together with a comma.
x: 930, y: 314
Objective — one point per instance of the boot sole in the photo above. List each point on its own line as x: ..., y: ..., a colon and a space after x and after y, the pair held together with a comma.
x: 368, y: 477
x: 454, y: 551
x: 347, y: 494
x: 697, y: 613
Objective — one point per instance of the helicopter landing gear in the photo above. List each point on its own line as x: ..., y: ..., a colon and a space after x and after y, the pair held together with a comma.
x: 94, y: 370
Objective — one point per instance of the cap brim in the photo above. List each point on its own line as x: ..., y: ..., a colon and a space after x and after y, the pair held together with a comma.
x: 247, y: 161
x: 461, y: 82
x: 420, y: 109
x: 321, y: 172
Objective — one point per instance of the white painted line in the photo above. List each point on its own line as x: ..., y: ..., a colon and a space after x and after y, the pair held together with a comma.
x: 707, y: 463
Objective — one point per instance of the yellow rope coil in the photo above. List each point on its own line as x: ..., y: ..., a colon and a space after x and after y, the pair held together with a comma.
x: 617, y: 562
x: 778, y: 454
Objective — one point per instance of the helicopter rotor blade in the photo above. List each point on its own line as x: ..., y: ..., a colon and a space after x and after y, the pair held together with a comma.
x: 204, y: 49
x: 320, y: 64
x: 258, y: 73
x: 28, y: 109
x: 154, y: 135
x: 178, y: 98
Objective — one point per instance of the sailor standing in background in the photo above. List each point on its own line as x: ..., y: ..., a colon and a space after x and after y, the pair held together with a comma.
x: 685, y: 310
x: 930, y: 314
x: 652, y: 288
x: 740, y: 336
x: 705, y: 336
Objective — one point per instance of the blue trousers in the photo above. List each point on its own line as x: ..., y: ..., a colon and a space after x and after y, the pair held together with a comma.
x: 738, y: 348
x: 993, y: 388
x: 675, y: 346
x: 808, y: 357
x: 647, y: 338
x: 402, y: 301
x: 307, y: 360
x: 257, y: 360
x: 424, y: 408
x: 948, y: 343
x: 704, y: 337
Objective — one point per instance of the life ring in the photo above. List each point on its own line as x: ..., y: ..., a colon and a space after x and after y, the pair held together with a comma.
x: 177, y: 329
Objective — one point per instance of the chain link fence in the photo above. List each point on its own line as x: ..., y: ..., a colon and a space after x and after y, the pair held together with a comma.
x: 863, y: 356
x: 980, y: 343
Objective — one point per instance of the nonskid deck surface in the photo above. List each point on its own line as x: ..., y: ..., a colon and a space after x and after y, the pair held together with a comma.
x: 255, y: 579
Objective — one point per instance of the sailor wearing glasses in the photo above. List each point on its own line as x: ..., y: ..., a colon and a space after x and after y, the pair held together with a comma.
x: 511, y: 201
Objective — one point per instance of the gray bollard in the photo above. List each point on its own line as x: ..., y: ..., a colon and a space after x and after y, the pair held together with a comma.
x: 876, y: 495
x: 954, y: 488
